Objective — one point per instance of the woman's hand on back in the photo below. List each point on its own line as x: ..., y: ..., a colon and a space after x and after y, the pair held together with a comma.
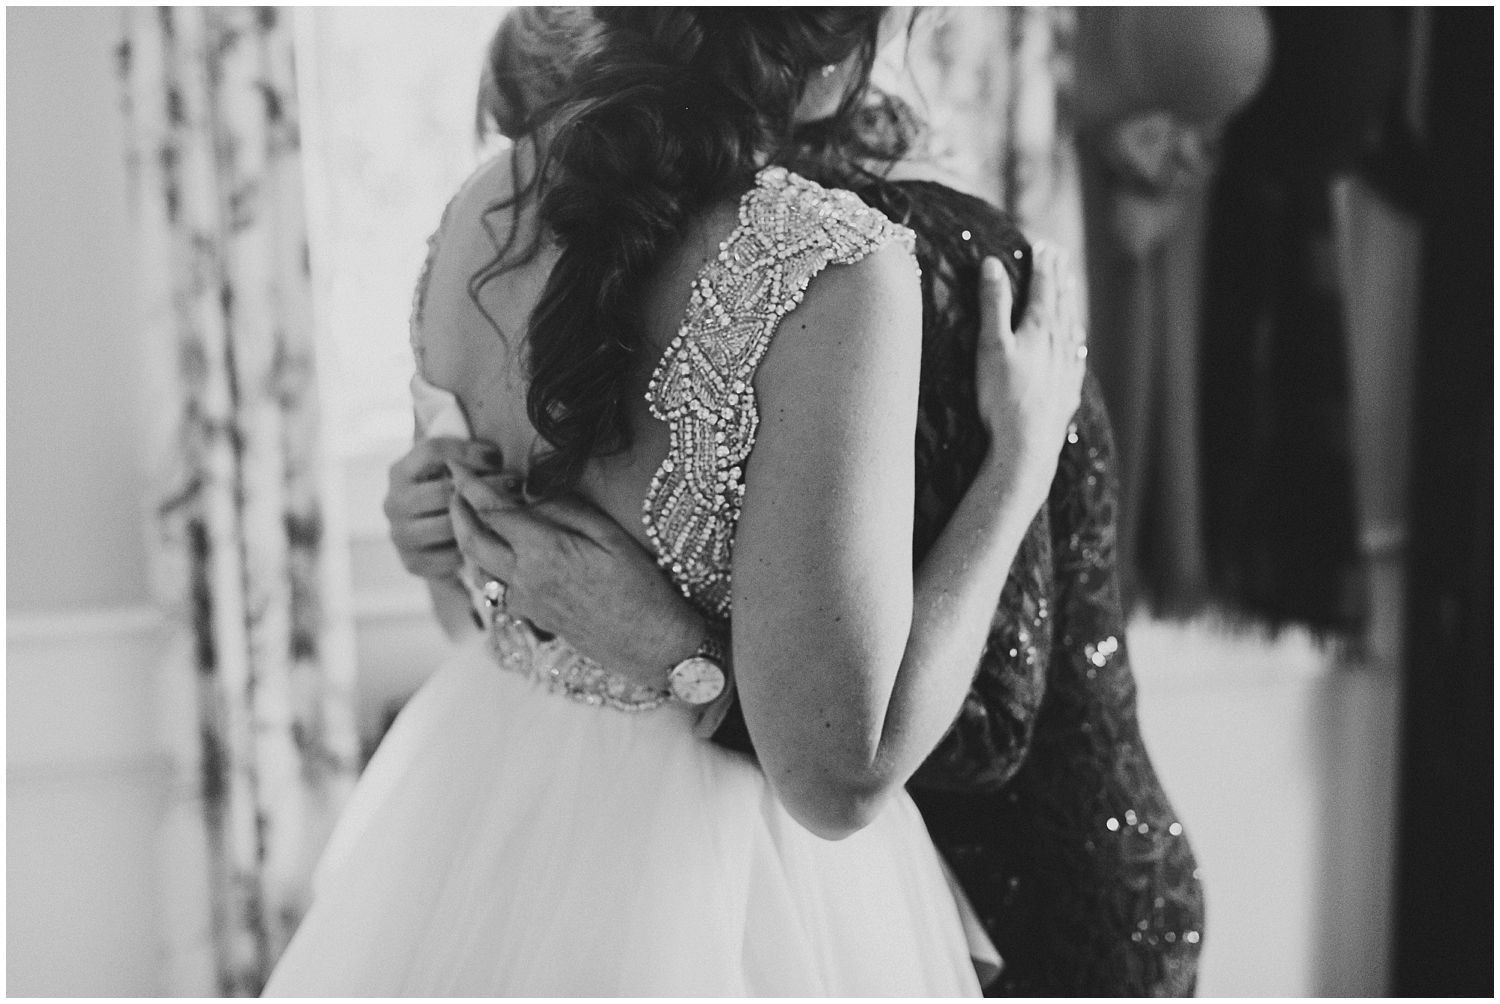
x: 573, y: 571
x: 1030, y: 380
x: 417, y: 496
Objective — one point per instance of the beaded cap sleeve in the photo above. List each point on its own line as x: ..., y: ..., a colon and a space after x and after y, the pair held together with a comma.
x: 789, y: 230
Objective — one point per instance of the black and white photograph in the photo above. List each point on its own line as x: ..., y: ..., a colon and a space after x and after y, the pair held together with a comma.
x: 766, y: 501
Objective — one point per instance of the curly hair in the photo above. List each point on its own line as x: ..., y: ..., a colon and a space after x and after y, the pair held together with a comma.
x: 666, y: 111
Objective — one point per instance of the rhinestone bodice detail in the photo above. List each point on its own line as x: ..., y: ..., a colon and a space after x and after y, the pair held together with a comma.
x: 789, y: 229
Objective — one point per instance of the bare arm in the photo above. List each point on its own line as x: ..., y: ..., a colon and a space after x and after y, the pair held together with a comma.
x: 850, y: 673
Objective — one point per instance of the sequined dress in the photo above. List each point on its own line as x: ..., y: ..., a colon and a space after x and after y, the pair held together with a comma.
x: 534, y: 825
x: 1042, y: 797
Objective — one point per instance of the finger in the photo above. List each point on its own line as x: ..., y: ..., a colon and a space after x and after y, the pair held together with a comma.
x: 1041, y: 308
x: 484, y: 494
x: 480, y: 543
x: 419, y: 498
x: 502, y: 514
x: 996, y: 300
x: 510, y: 485
x: 476, y: 454
x: 1072, y: 311
x: 424, y: 498
x: 1063, y: 328
x: 1067, y: 285
x: 433, y: 563
x: 422, y: 461
x: 1067, y: 274
x: 579, y: 516
x: 481, y: 455
x: 428, y: 458
x: 429, y: 531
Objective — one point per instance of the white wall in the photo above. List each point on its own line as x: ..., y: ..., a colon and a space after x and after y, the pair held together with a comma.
x: 1281, y: 763
x: 86, y: 781
x: 75, y: 494
x: 87, y: 793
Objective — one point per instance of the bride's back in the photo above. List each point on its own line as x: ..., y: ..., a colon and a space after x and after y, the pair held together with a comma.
x: 789, y: 473
x: 667, y: 115
x: 475, y: 345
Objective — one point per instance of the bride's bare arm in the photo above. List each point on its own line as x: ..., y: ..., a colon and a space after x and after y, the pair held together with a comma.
x: 848, y: 672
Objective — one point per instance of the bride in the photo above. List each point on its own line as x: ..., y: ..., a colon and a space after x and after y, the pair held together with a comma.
x: 664, y: 299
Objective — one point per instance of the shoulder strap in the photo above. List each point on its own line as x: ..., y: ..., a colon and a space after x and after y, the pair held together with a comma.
x: 789, y: 230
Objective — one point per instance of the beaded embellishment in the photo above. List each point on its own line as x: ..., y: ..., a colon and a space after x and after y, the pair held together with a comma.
x: 516, y: 647
x: 789, y: 230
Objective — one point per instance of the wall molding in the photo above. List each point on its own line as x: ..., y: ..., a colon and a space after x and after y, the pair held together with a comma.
x: 28, y: 627
x: 82, y: 692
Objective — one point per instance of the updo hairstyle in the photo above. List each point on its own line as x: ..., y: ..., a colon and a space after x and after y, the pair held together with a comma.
x: 667, y: 111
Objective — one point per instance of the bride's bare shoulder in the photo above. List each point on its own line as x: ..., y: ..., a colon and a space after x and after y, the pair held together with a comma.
x: 454, y: 323
x: 494, y: 200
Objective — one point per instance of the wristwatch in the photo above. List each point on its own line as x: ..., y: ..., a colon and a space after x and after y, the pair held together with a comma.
x: 699, y: 678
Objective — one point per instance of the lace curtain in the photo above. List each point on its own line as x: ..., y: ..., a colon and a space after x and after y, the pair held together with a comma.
x: 211, y: 105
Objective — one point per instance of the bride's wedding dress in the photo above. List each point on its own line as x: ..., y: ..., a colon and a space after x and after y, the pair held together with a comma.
x: 520, y: 833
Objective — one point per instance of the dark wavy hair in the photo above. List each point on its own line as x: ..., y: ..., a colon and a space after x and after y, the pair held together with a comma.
x: 666, y: 110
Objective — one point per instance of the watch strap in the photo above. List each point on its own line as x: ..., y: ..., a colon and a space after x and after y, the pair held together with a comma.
x: 713, y: 648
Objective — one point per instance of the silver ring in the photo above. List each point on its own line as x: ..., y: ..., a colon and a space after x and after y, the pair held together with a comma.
x: 494, y: 594
x: 1081, y: 351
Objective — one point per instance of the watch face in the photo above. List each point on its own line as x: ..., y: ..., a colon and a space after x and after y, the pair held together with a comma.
x: 697, y: 680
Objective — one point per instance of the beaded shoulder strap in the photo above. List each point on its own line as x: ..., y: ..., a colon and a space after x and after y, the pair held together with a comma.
x: 789, y: 230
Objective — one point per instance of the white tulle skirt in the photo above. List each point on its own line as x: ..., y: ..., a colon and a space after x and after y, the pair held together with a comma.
x: 506, y: 840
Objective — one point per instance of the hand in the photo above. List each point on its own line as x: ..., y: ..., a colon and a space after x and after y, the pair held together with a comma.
x: 571, y: 570
x: 416, y: 502
x: 1030, y: 381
